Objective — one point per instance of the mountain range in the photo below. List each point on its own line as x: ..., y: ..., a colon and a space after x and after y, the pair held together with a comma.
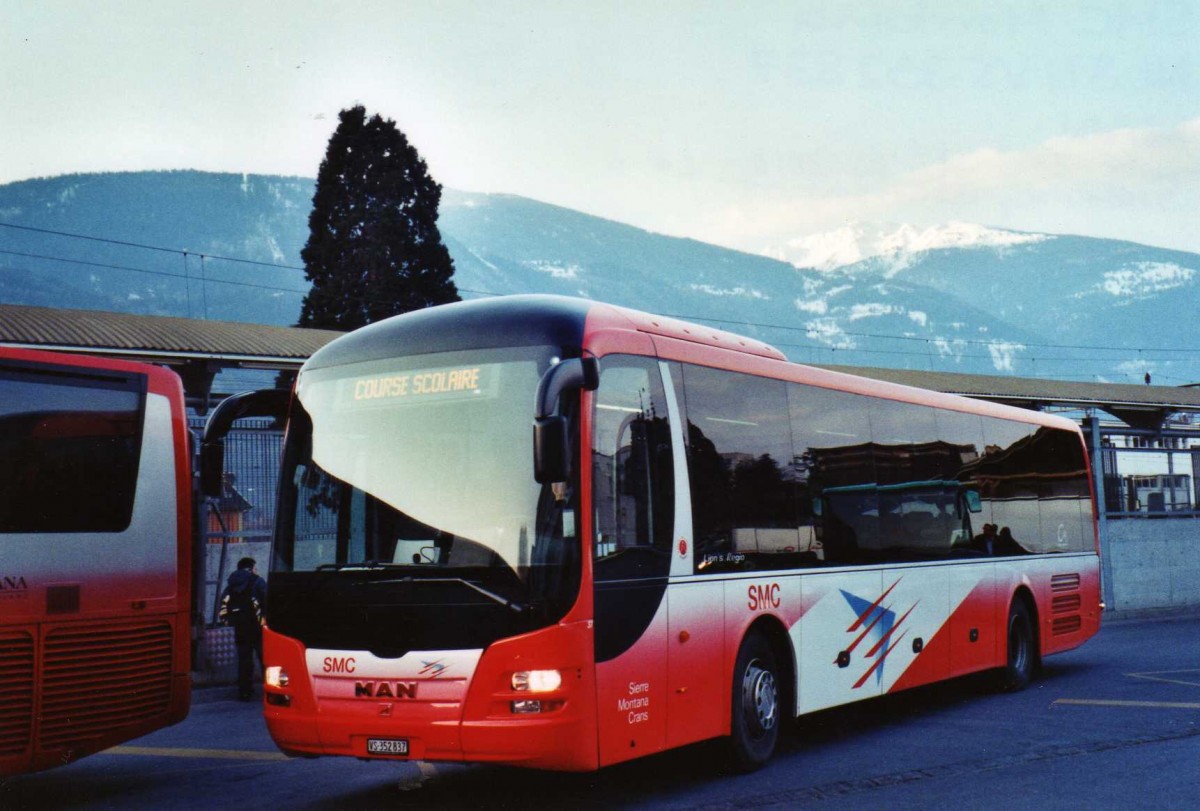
x: 960, y: 297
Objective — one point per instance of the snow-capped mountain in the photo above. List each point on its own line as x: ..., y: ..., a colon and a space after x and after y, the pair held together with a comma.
x: 1101, y: 309
x: 894, y: 244
x: 958, y: 297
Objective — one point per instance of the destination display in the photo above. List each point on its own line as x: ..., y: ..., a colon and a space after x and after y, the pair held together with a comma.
x: 422, y: 385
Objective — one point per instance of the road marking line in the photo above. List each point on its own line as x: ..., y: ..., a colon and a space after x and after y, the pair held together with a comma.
x: 216, y: 754
x: 1156, y: 675
x: 1179, y: 705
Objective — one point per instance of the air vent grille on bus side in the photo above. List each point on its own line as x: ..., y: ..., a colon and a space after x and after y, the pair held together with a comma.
x: 1064, y: 582
x: 98, y: 679
x: 16, y: 693
x: 1066, y: 625
x: 1066, y: 604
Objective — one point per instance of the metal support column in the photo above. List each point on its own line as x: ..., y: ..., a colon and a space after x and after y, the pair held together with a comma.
x: 1091, y: 426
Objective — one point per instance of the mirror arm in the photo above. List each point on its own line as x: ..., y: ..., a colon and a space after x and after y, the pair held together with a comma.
x: 551, y: 454
x: 576, y: 373
x: 263, y: 403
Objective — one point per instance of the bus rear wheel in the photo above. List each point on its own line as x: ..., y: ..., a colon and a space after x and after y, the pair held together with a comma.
x: 1022, y: 649
x: 756, y: 704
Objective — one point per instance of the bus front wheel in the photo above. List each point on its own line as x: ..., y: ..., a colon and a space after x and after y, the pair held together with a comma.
x: 1022, y: 649
x: 756, y: 693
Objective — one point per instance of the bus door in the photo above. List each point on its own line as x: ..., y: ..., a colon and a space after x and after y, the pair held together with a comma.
x: 697, y: 664
x: 633, y: 501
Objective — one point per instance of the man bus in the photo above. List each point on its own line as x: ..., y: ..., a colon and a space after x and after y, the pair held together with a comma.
x: 95, y: 555
x: 696, y: 539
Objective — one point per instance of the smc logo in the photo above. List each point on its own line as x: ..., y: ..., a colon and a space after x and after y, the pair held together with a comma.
x: 762, y: 596
x: 337, y: 664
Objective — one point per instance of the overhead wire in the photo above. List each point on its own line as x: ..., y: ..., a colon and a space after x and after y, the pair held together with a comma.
x: 108, y: 266
x: 145, y: 247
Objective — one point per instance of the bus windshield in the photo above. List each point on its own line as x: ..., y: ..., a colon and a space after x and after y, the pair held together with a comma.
x: 422, y: 467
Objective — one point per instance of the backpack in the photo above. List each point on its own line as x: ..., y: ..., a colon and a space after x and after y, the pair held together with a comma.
x: 239, y: 607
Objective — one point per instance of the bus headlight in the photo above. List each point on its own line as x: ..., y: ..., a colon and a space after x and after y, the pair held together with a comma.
x: 275, y: 676
x: 536, y: 681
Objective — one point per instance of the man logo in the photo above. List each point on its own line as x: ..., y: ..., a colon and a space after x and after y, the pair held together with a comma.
x: 385, y: 689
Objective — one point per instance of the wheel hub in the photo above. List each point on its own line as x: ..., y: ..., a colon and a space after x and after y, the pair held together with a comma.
x: 760, y: 698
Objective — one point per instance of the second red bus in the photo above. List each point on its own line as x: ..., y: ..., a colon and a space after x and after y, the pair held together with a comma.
x: 95, y: 555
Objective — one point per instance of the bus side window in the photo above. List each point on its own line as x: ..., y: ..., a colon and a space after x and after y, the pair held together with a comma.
x: 835, y: 471
x: 1009, y: 483
x: 745, y: 510
x: 632, y: 473
x: 67, y: 440
x: 915, y: 471
x: 1034, y: 484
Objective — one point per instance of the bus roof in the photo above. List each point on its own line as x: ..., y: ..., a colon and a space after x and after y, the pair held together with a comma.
x: 521, y: 320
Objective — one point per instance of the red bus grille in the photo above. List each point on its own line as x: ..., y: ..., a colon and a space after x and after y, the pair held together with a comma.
x: 16, y: 693
x: 1066, y: 625
x: 1066, y: 603
x: 100, y: 679
x: 1064, y: 582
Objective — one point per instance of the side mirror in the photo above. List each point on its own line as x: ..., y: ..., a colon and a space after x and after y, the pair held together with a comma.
x: 212, y: 467
x: 551, y: 450
x: 264, y: 403
x: 551, y: 441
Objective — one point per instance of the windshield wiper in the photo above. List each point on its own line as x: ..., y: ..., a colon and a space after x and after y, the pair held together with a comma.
x: 513, y: 605
x: 365, y: 564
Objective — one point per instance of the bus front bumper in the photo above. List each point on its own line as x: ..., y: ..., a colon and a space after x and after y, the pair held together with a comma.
x: 350, y: 704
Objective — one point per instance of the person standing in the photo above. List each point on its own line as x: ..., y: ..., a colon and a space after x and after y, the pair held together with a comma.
x: 242, y: 605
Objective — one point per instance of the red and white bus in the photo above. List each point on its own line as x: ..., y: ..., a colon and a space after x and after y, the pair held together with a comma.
x: 95, y: 556
x: 697, y: 539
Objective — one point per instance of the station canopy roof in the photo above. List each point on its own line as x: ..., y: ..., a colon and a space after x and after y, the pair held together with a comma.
x: 1138, y: 406
x: 159, y: 339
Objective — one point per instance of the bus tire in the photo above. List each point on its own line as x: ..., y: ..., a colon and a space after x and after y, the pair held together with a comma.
x: 1022, y: 649
x: 756, y: 704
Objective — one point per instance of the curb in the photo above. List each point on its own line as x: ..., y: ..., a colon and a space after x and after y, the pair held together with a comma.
x: 1131, y: 615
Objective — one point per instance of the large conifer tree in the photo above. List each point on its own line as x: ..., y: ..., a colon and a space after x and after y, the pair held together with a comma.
x: 373, y: 249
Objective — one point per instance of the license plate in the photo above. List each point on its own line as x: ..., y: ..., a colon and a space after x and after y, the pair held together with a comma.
x: 387, y: 746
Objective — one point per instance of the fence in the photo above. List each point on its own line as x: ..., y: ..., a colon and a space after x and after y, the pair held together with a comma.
x: 240, y: 522
x: 1150, y: 474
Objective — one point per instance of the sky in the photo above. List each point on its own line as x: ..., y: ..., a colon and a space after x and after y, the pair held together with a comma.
x: 746, y: 124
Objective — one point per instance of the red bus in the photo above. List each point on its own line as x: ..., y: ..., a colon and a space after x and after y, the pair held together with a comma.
x: 95, y: 556
x: 696, y: 540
